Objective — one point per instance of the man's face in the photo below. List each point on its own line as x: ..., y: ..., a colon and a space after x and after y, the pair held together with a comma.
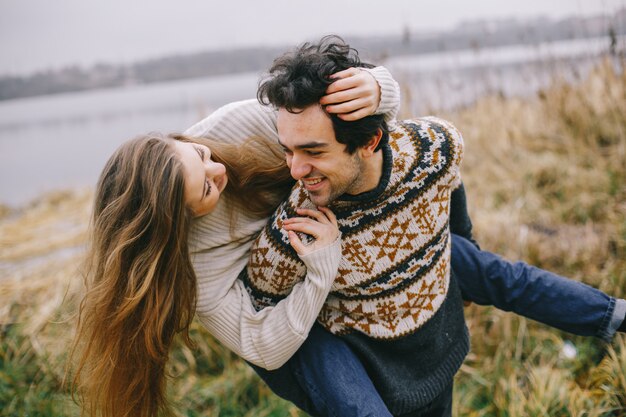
x: 315, y: 157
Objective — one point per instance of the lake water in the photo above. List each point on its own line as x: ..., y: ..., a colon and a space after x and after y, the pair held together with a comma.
x: 63, y: 141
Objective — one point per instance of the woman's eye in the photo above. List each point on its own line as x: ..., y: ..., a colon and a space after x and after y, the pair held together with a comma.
x: 208, y: 188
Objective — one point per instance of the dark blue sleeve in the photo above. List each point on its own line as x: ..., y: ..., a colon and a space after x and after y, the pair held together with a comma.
x: 488, y: 279
x: 460, y: 222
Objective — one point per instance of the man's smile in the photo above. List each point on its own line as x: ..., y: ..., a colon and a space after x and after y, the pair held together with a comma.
x: 312, y: 184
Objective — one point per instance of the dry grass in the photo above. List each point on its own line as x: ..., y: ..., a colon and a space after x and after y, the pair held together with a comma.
x: 546, y: 179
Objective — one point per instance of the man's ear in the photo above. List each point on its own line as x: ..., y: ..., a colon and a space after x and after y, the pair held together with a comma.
x: 370, y: 148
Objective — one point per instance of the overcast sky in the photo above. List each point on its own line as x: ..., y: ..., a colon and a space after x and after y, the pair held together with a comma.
x: 39, y: 34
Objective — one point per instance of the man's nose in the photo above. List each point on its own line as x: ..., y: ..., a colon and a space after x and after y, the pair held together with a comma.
x: 299, y: 167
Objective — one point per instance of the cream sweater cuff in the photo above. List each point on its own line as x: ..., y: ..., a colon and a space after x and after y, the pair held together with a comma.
x: 324, y: 262
x: 389, y: 92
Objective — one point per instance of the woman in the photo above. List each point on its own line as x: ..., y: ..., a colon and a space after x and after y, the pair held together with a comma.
x: 142, y: 288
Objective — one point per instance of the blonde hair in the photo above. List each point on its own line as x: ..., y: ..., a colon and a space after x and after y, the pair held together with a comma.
x: 141, y: 286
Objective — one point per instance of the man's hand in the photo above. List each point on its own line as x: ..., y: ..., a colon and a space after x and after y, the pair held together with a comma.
x: 354, y: 95
x: 321, y: 225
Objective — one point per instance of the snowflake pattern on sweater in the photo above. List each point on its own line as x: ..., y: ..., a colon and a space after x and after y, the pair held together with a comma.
x: 395, y: 268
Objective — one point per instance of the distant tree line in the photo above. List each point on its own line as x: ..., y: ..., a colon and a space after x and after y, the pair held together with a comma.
x: 169, y: 68
x: 467, y: 35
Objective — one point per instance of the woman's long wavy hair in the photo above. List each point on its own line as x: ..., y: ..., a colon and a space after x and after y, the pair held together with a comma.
x: 141, y: 286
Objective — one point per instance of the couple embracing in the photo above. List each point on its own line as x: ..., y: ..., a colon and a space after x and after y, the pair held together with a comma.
x: 324, y: 242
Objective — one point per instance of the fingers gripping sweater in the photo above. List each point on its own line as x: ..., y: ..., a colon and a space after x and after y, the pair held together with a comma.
x: 393, y: 300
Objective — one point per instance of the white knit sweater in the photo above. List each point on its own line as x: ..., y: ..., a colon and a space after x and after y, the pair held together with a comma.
x: 267, y: 338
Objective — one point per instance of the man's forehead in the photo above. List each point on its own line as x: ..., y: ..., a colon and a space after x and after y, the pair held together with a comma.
x: 312, y: 124
x: 313, y: 111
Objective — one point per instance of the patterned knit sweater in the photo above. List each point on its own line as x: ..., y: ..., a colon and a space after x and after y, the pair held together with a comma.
x: 394, y: 299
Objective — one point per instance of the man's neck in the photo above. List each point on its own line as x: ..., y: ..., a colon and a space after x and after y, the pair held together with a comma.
x: 371, y: 173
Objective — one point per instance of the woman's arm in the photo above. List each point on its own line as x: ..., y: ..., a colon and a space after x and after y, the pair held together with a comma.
x: 268, y: 338
x: 353, y: 95
x: 389, y: 93
x: 235, y: 122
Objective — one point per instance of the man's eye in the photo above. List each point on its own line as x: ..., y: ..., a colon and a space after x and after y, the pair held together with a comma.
x: 313, y: 153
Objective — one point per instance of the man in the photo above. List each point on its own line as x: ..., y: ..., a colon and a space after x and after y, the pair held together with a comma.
x: 486, y: 279
x: 395, y: 301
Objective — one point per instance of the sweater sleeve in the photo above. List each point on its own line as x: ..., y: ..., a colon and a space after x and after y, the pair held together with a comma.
x: 460, y: 222
x: 238, y: 121
x: 268, y: 338
x: 389, y: 93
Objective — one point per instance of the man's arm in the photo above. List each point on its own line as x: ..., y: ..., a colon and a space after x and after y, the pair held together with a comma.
x: 460, y: 222
x: 488, y: 279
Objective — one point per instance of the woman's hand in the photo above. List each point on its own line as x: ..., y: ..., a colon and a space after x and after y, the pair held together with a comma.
x: 354, y: 95
x: 321, y: 225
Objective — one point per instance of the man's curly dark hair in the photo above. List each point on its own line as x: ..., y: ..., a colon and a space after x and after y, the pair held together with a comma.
x: 299, y: 79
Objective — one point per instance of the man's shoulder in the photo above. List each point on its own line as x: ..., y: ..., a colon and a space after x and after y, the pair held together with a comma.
x: 429, y: 122
x: 429, y: 127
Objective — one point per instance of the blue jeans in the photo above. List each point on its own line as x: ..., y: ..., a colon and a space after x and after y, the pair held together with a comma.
x: 325, y: 378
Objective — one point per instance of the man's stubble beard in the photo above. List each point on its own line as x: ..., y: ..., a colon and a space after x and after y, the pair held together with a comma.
x: 351, y: 183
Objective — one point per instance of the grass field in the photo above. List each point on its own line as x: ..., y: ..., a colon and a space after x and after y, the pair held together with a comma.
x: 546, y: 181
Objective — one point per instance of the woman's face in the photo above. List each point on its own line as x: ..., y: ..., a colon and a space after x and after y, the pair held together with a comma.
x: 204, y: 179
